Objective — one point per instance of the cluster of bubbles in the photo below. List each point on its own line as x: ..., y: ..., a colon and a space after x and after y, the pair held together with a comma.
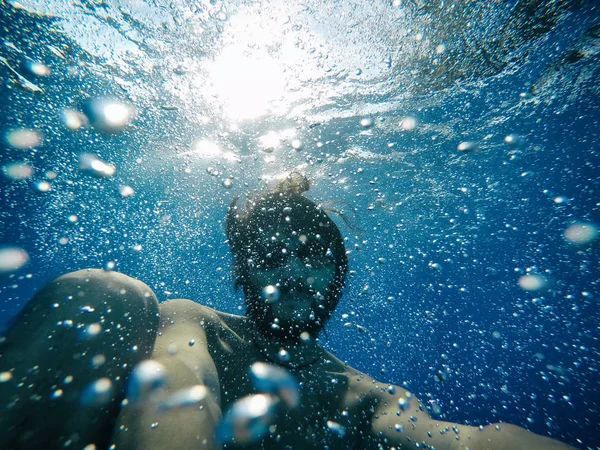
x: 146, y: 387
x: 249, y: 418
x: 246, y: 421
x: 578, y: 234
x: 102, y: 114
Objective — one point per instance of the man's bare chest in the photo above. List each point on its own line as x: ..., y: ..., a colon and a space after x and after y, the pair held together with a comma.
x: 330, y: 414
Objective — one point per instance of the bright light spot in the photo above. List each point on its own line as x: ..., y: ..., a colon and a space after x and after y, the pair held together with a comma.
x: 246, y: 85
x: 467, y: 146
x: 185, y: 398
x: 12, y: 259
x: 407, y: 124
x: 270, y: 294
x: 74, y: 120
x: 23, y: 138
x: 91, y: 164
x: 116, y: 114
x: 561, y: 199
x: 98, y: 393
x: 43, y: 186
x: 533, y: 282
x: 126, y: 191
x: 5, y: 376
x: 110, y: 116
x: 269, y: 141
x: 366, y: 122
x: 581, y: 233
x: 207, y: 150
x: 17, y: 171
x: 440, y: 49
x: 38, y: 69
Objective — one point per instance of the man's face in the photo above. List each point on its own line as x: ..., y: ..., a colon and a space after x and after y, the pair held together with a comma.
x: 293, y: 272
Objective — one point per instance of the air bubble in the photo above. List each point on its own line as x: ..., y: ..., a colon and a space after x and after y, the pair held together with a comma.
x: 366, y: 122
x: 36, y: 68
x: 23, y: 138
x: 90, y: 332
x: 56, y: 394
x: 407, y: 124
x: 581, y: 233
x: 513, y: 140
x: 92, y: 165
x: 74, y: 120
x: 435, y: 266
x: 185, y: 398
x: 17, y: 171
x: 336, y: 428
x: 270, y: 379
x: 270, y: 294
x: 12, y: 259
x: 5, y: 376
x: 110, y: 116
x: 43, y: 186
x: 147, y: 377
x: 126, y: 191
x: 98, y: 393
x: 283, y: 355
x: 403, y: 404
x: 467, y: 147
x: 533, y: 282
x: 248, y: 420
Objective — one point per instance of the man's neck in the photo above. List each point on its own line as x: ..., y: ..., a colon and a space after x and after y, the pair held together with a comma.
x: 295, y: 350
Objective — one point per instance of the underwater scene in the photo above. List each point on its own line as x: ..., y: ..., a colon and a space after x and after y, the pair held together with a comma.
x: 455, y: 144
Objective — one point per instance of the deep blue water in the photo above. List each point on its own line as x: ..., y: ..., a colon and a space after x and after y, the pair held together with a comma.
x: 511, y: 355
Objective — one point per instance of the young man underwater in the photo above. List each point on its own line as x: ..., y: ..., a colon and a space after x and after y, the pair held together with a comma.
x: 197, y: 378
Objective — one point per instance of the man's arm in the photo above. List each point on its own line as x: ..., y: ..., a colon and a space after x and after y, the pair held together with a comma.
x: 407, y: 424
x: 182, y: 349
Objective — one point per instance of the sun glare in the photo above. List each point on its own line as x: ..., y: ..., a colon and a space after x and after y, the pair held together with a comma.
x: 206, y: 149
x: 246, y: 85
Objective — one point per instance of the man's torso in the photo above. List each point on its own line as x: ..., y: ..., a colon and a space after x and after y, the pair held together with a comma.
x: 335, y: 401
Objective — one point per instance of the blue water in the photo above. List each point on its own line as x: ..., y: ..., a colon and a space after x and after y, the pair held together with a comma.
x: 486, y: 216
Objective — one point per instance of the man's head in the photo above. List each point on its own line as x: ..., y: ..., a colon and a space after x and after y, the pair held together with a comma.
x: 289, y: 258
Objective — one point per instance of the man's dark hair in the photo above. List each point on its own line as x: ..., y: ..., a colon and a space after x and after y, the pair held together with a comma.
x: 287, y: 208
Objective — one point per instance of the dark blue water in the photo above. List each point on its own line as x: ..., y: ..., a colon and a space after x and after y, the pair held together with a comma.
x: 485, y: 217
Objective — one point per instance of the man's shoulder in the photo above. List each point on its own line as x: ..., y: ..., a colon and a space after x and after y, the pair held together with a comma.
x: 185, y: 309
x: 358, y: 382
x: 337, y: 364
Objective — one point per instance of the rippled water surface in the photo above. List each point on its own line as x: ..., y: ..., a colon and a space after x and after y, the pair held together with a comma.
x: 460, y: 139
